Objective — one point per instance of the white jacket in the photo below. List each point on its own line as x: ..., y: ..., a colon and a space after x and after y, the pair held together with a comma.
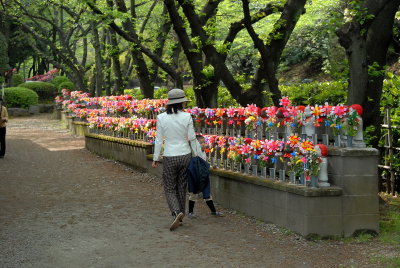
x: 176, y: 130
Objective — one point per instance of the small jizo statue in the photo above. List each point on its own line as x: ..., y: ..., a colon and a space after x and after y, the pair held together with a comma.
x: 308, y: 128
x: 322, y: 152
x: 358, y: 140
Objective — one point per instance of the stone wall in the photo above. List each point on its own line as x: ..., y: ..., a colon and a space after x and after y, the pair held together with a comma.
x: 351, y: 205
x: 79, y: 128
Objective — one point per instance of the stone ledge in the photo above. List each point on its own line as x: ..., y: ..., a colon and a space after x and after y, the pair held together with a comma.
x: 80, y: 123
x: 137, y: 143
x: 277, y: 185
x: 334, y: 151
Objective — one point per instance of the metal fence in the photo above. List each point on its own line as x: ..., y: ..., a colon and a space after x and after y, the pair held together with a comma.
x: 390, y: 168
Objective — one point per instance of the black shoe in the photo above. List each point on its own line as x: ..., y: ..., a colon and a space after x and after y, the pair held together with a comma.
x: 178, y: 218
x: 1, y: 156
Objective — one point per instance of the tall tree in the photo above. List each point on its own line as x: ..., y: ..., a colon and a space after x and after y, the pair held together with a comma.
x: 40, y: 22
x: 366, y: 37
x: 272, y: 51
x: 130, y: 33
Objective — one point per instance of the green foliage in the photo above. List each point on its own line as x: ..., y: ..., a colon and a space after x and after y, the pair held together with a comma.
x: 4, y: 60
x: 20, y: 97
x: 17, y: 79
x: 225, y: 98
x: 390, y: 223
x: 45, y: 90
x: 314, y: 40
x: 59, y: 79
x: 189, y: 92
x: 391, y: 99
x: 376, y: 70
x: 135, y: 93
x: 161, y: 93
x: 66, y: 84
x: 316, y: 93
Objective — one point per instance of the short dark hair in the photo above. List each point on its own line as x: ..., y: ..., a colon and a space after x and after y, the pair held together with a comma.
x: 174, y: 108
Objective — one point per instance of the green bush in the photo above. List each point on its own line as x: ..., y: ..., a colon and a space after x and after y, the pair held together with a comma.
x: 67, y: 84
x: 135, y: 93
x: 17, y: 79
x: 60, y: 79
x: 161, y: 93
x: 20, y: 97
x: 316, y: 93
x: 225, y: 98
x: 45, y: 90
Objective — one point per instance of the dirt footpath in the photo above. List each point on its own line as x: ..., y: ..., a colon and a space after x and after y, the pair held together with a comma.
x: 61, y: 206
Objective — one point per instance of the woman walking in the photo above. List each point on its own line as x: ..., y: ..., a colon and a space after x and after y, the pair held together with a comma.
x: 3, y: 123
x: 175, y: 129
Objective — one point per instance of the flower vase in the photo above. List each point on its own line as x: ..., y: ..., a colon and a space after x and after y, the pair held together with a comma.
x: 315, y: 138
x: 264, y: 172
x: 292, y: 177
x: 239, y: 167
x: 272, y: 174
x: 337, y: 141
x: 314, y: 181
x: 325, y: 139
x: 225, y: 164
x: 254, y: 170
x: 267, y: 135
x: 302, y: 181
x: 246, y: 169
x: 212, y: 161
x: 349, y: 141
x: 282, y: 175
x: 218, y: 163
x: 232, y: 165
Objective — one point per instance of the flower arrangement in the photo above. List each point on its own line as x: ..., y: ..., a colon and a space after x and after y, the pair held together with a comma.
x: 351, y: 123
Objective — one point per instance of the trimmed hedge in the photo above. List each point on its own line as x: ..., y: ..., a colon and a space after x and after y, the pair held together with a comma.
x: 20, y: 97
x: 60, y: 79
x: 67, y: 84
x: 17, y: 79
x: 46, y: 91
x: 316, y: 93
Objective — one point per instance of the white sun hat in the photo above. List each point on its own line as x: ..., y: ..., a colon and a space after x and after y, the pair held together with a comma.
x: 176, y: 95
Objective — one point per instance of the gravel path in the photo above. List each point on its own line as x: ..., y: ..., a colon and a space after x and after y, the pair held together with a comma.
x: 61, y: 206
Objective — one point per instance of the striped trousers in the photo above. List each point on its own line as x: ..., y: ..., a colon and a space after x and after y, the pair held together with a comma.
x: 175, y: 181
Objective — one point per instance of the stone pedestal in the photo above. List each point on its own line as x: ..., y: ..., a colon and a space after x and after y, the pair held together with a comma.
x: 355, y: 170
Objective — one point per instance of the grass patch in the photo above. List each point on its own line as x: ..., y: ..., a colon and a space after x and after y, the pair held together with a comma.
x: 390, y: 220
x: 389, y: 262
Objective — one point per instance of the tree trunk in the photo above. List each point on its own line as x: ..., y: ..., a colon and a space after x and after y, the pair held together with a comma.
x: 118, y: 81
x: 99, y: 81
x: 355, y: 45
x: 366, y: 47
x: 142, y: 71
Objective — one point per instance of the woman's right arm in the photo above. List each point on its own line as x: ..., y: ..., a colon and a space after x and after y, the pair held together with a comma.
x: 192, y: 138
x: 158, y: 142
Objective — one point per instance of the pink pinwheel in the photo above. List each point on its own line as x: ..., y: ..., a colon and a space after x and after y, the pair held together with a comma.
x: 271, y: 111
x: 230, y: 112
x: 252, y: 109
x: 284, y: 101
x: 246, y: 149
x: 340, y: 110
